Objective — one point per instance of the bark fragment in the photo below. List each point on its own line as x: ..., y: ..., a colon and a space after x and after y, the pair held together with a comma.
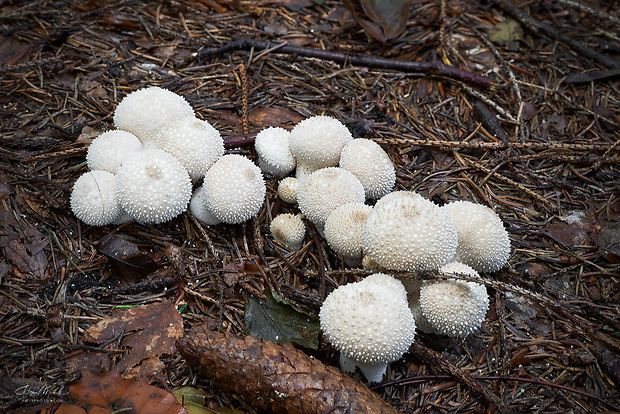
x: 279, y: 379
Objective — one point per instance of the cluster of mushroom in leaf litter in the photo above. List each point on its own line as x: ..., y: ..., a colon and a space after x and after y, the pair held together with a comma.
x: 145, y: 171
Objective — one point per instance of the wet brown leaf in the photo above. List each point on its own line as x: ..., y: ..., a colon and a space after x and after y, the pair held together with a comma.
x: 150, y: 332
x: 275, y: 116
x: 109, y: 392
x: 574, y: 229
x: 23, y: 245
x: 125, y: 257
x: 382, y: 19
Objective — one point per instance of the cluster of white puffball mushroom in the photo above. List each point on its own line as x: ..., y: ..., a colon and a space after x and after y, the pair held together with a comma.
x: 373, y: 322
x: 145, y: 169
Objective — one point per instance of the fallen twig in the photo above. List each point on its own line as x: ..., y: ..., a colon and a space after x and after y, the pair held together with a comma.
x: 357, y: 59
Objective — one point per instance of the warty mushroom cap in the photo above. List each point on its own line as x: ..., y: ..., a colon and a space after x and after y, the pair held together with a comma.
x: 274, y: 153
x: 198, y: 209
x: 109, y: 149
x: 152, y: 186
x: 317, y: 142
x: 325, y: 190
x: 194, y: 142
x: 406, y: 232
x: 234, y: 189
x: 288, y: 189
x: 453, y: 307
x: 369, y: 325
x: 389, y: 281
x: 483, y: 242
x: 289, y: 230
x: 343, y: 231
x: 371, y: 165
x: 145, y: 111
x: 93, y: 199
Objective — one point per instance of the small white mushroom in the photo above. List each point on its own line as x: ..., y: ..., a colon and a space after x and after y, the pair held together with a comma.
x: 145, y: 111
x: 289, y: 230
x: 234, y: 189
x: 483, y: 241
x: 453, y: 307
x: 274, y: 153
x: 369, y: 322
x: 152, y: 186
x: 288, y: 189
x: 196, y: 143
x: 93, y: 199
x: 317, y: 142
x: 406, y: 232
x: 325, y: 190
x: 198, y: 209
x: 109, y: 149
x: 343, y: 231
x: 371, y: 165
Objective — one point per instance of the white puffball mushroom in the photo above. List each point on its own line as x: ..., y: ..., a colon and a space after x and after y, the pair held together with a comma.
x: 317, y: 142
x: 325, y: 190
x: 288, y: 189
x: 152, y: 186
x: 371, y: 165
x: 406, y: 232
x: 194, y: 142
x: 483, y: 241
x: 93, y: 199
x: 289, y: 230
x: 389, y: 281
x: 145, y: 111
x: 274, y: 153
x: 370, y: 324
x: 413, y: 285
x: 198, y: 209
x: 109, y: 149
x: 453, y: 307
x: 234, y: 189
x: 343, y: 231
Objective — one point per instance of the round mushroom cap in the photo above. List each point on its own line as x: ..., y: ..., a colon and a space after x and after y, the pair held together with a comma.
x: 389, y: 281
x: 196, y: 143
x: 274, y: 154
x: 288, y: 189
x: 371, y: 165
x: 406, y: 232
x: 145, y: 111
x: 234, y: 189
x: 367, y: 323
x: 289, y: 230
x: 93, y: 199
x: 317, y: 142
x: 325, y: 190
x: 483, y: 241
x: 343, y: 229
x: 412, y: 286
x: 198, y: 209
x: 109, y: 149
x: 454, y: 308
x: 152, y: 186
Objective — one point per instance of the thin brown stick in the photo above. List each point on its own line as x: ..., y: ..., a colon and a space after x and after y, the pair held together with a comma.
x: 356, y: 59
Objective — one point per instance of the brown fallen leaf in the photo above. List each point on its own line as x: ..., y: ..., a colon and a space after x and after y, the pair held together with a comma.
x: 110, y: 392
x: 278, y: 379
x: 150, y: 331
x: 23, y: 245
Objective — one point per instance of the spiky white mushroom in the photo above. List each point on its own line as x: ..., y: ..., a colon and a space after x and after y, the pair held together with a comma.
x: 145, y: 111
x: 152, y: 186
x: 453, y: 307
x: 288, y: 189
x: 274, y: 153
x: 234, y: 189
x: 325, y: 190
x: 371, y: 165
x: 343, y: 231
x: 93, y: 199
x: 109, y: 149
x: 406, y: 232
x: 289, y: 230
x: 194, y: 142
x: 483, y: 241
x: 369, y: 322
x: 317, y: 142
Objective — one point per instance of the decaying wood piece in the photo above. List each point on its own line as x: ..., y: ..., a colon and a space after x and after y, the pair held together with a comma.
x: 278, y: 379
